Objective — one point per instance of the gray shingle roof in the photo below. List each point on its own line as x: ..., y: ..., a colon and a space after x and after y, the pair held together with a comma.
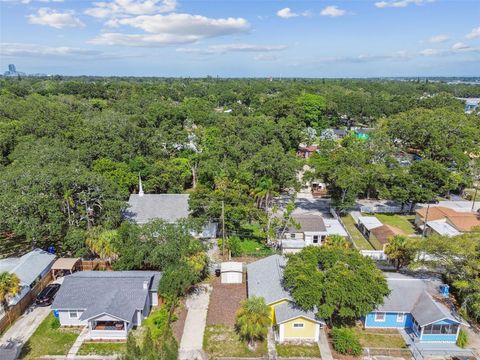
x: 289, y: 310
x: 168, y: 207
x: 308, y: 223
x: 117, y: 293
x: 29, y: 266
x: 265, y: 277
x: 416, y: 296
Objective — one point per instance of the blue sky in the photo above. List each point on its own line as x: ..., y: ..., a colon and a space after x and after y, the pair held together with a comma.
x: 321, y: 38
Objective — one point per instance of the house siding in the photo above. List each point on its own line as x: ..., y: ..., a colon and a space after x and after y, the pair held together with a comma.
x: 309, y: 331
x: 390, y: 321
x: 272, y: 309
x: 65, y: 320
x: 440, y: 338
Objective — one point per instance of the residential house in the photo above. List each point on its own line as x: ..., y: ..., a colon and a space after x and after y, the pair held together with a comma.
x: 29, y: 268
x: 385, y: 232
x: 305, y: 151
x: 471, y: 106
x: 109, y: 303
x: 333, y: 134
x: 143, y: 208
x: 446, y: 221
x: 420, y: 306
x: 312, y: 230
x: 290, y: 323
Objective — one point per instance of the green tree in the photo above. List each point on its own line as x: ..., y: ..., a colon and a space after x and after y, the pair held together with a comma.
x: 9, y: 287
x: 400, y: 251
x: 253, y: 319
x: 340, y: 283
x: 337, y: 241
x: 312, y: 108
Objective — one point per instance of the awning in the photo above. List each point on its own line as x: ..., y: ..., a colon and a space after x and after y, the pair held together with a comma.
x: 65, y: 264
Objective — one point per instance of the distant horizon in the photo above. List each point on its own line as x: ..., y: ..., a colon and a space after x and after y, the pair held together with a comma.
x: 238, y: 39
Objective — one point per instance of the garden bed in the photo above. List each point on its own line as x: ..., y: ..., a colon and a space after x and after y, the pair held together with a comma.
x: 222, y: 341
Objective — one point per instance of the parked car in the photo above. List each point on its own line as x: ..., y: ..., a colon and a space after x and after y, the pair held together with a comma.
x: 46, y: 296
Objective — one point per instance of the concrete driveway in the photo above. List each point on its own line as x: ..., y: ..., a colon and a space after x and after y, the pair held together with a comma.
x: 25, y: 326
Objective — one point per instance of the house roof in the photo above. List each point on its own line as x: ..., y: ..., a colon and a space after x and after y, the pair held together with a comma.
x: 265, y: 279
x: 293, y: 244
x: 29, y: 266
x: 147, y: 207
x: 231, y: 266
x: 333, y: 227
x: 443, y: 228
x: 460, y: 220
x: 370, y: 222
x: 418, y: 296
x: 117, y: 293
x: 288, y: 311
x: 385, y: 232
x: 308, y: 223
x: 65, y: 263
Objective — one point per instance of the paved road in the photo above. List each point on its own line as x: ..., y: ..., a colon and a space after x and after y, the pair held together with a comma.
x: 192, y: 339
x: 25, y: 326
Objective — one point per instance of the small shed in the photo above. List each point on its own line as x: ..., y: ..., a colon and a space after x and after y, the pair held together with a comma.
x: 65, y: 266
x: 231, y: 272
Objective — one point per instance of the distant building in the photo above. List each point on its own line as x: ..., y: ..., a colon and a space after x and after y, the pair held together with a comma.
x: 12, y: 71
x: 471, y: 106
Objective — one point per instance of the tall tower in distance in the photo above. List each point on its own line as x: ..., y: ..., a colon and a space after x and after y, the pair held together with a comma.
x: 11, y: 68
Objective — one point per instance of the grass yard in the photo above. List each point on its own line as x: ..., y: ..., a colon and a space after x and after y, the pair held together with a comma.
x: 222, y: 341
x: 102, y: 348
x: 400, y: 221
x: 380, y: 338
x: 292, y: 350
x: 360, y: 242
x: 49, y: 339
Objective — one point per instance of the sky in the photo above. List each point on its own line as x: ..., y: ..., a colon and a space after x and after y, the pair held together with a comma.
x: 248, y: 38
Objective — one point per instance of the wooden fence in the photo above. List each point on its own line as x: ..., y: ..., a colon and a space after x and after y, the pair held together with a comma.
x: 97, y: 264
x: 17, y: 310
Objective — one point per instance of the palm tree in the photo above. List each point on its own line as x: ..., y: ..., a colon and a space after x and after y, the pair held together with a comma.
x: 253, y: 319
x: 263, y: 192
x: 102, y: 243
x: 9, y: 287
x: 337, y: 241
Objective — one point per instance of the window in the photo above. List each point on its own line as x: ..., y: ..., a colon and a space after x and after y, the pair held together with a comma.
x: 72, y: 314
x: 440, y: 329
x: 292, y: 236
x: 315, y: 239
x: 298, y: 325
x: 380, y: 316
x: 400, y: 317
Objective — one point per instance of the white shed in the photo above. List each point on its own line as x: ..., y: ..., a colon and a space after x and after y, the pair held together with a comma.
x: 231, y: 272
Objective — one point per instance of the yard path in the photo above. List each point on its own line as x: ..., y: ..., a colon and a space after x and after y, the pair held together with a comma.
x: 272, y: 351
x: 192, y: 339
x: 25, y: 326
x: 76, y: 345
x: 324, y: 346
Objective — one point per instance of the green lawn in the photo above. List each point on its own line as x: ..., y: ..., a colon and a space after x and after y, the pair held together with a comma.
x: 49, y: 339
x: 99, y: 348
x: 250, y: 247
x: 360, y: 242
x: 400, y: 221
x: 380, y: 338
x: 222, y: 341
x: 305, y: 350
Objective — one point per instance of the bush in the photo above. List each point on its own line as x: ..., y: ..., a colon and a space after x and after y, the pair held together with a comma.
x: 234, y: 245
x: 462, y: 340
x: 157, y: 321
x: 55, y: 323
x: 345, y: 342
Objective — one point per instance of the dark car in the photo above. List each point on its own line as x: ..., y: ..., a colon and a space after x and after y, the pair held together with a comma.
x: 46, y: 296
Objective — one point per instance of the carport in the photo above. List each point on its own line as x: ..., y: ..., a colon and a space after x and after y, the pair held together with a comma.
x: 65, y: 266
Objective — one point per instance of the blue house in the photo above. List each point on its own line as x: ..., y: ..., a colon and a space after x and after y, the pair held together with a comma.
x: 420, y: 306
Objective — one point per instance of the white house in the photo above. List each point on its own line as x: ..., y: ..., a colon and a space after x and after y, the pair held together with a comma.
x: 109, y: 303
x: 231, y: 272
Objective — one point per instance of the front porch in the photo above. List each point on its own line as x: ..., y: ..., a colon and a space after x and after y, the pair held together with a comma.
x: 107, y: 330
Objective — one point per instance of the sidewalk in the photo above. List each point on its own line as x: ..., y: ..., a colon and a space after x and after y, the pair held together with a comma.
x: 324, y: 346
x: 191, y: 344
x: 76, y: 345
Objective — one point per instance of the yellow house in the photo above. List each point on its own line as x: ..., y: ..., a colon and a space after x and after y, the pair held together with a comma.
x: 289, y: 322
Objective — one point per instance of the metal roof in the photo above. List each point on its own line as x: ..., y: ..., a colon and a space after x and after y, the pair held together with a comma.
x: 29, y: 266
x: 370, y: 222
x: 443, y: 228
x: 117, y: 293
x: 231, y: 266
x: 147, y: 207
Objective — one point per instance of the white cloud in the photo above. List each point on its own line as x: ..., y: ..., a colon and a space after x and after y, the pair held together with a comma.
x: 121, y: 8
x: 438, y: 39
x: 474, y: 34
x: 400, y: 3
x: 460, y: 46
x: 265, y: 57
x: 171, y: 29
x: 333, y: 11
x: 55, y: 19
x: 429, y: 52
x: 286, y: 13
x: 35, y: 50
x: 224, y: 48
x: 31, y: 1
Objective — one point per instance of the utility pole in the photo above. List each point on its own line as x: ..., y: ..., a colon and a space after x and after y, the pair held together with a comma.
x: 223, y: 227
x: 474, y: 198
x: 425, y: 222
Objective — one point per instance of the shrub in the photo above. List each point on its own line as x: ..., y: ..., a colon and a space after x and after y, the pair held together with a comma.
x: 235, y: 246
x: 157, y: 321
x: 462, y: 340
x: 55, y: 323
x: 345, y: 342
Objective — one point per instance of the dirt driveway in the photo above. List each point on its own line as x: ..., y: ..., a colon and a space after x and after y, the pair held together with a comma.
x: 224, y: 302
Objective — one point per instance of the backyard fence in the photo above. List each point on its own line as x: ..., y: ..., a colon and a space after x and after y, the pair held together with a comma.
x: 392, y: 352
x: 14, y: 312
x: 97, y: 264
x: 384, y: 209
x: 374, y: 254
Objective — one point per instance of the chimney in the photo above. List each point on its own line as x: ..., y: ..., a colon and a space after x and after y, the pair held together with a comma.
x: 145, y: 284
x: 140, y: 187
